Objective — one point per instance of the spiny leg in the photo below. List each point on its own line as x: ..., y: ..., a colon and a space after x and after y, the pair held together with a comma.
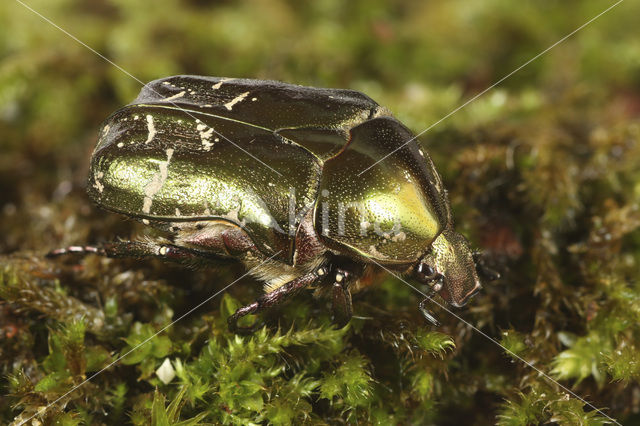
x: 274, y: 298
x: 427, y: 314
x: 423, y: 304
x: 341, y: 297
x: 136, y: 250
x: 81, y: 250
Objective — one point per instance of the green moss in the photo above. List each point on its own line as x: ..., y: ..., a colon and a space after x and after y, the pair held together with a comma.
x: 433, y: 342
x: 543, y: 173
x: 544, y: 405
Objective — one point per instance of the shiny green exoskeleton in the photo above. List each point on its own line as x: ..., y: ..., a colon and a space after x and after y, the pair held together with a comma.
x: 268, y: 173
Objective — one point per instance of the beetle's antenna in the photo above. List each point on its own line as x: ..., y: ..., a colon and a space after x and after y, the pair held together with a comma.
x: 513, y: 354
x: 482, y: 268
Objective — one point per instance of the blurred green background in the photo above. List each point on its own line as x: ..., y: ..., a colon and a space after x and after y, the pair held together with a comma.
x: 543, y: 173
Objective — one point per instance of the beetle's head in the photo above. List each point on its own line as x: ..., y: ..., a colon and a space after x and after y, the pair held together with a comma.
x: 449, y: 268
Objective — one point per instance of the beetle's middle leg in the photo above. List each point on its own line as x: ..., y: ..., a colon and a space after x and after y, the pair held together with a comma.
x: 344, y: 274
x: 341, y: 297
x: 274, y: 298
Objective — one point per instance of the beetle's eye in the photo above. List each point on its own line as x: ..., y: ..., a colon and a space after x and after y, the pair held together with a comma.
x: 426, y: 272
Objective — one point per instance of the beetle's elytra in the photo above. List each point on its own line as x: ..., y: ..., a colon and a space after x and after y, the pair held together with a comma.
x: 267, y: 173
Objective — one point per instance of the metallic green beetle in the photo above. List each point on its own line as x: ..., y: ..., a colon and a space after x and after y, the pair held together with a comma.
x: 267, y: 173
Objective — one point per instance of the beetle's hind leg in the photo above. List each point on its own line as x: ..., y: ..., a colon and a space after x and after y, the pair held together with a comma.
x: 81, y: 250
x: 274, y: 298
x: 137, y: 250
x: 339, y: 277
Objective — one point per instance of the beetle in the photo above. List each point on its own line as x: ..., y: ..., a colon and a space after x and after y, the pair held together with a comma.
x: 266, y: 173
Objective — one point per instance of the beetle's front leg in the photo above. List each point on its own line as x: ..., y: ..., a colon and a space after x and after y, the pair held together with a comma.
x: 134, y: 250
x: 274, y: 298
x: 427, y: 313
x: 423, y: 304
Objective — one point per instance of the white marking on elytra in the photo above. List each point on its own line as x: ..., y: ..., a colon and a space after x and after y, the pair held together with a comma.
x: 219, y: 83
x: 320, y: 271
x: 229, y: 105
x: 105, y: 130
x: 97, y: 184
x: 400, y: 236
x: 135, y: 117
x: 254, y: 99
x: 176, y: 96
x: 151, y: 128
x: 163, y: 250
x: 205, y: 135
x: 156, y: 183
x: 145, y: 221
x: 374, y: 252
x: 178, y: 212
x: 421, y: 153
x: 120, y: 144
x: 339, y: 278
